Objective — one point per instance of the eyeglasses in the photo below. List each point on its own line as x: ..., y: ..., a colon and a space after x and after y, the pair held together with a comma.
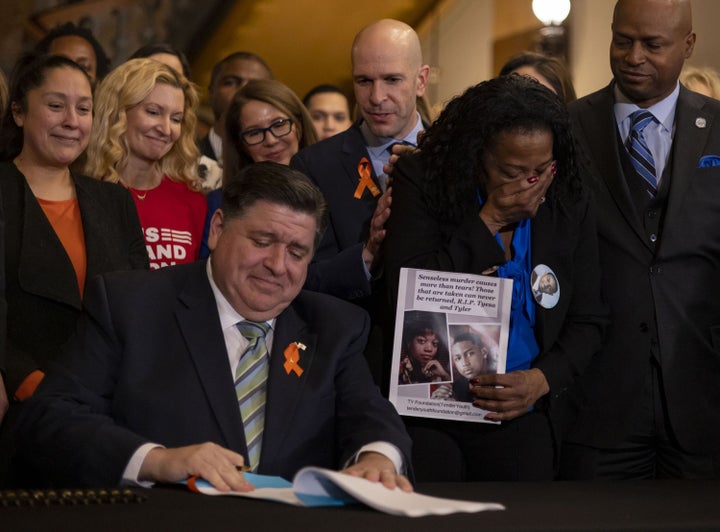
x: 257, y: 136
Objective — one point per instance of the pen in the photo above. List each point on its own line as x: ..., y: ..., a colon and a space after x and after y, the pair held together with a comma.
x: 243, y: 468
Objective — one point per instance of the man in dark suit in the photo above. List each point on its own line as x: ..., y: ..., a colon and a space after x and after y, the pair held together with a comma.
x: 228, y: 76
x: 388, y: 76
x: 147, y: 393
x: 649, y: 404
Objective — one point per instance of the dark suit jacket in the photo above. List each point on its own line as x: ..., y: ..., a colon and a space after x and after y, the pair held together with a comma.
x: 150, y: 365
x: 332, y: 164
x: 664, y: 301
x: 563, y: 239
x: 41, y: 287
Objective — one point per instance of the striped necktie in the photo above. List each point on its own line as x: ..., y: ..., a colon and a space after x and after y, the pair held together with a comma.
x: 640, y: 156
x: 251, y: 385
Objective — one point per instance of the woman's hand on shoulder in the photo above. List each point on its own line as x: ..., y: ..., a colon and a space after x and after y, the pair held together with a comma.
x: 398, y: 150
x: 371, y: 251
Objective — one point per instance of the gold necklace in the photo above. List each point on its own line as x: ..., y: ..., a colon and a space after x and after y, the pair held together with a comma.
x: 142, y: 193
x: 141, y: 197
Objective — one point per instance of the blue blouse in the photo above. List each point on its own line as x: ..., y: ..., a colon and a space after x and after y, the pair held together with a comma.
x: 522, y: 346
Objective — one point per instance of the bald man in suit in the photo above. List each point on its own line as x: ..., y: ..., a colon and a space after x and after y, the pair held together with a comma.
x: 388, y: 78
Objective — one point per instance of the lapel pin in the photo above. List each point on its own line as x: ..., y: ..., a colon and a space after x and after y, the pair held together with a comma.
x: 700, y: 122
x: 545, y: 286
x: 292, y: 357
x: 365, y: 181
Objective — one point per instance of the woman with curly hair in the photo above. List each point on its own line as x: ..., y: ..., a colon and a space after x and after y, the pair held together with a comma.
x: 424, y: 356
x: 143, y: 138
x: 495, y: 190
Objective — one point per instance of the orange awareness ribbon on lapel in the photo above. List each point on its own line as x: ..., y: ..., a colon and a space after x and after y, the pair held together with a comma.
x: 365, y: 180
x: 292, y: 357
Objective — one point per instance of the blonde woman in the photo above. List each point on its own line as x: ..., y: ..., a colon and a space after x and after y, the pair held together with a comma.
x: 143, y: 138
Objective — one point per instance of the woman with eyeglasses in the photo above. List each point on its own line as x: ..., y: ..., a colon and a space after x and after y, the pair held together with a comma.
x: 266, y: 121
x: 143, y: 137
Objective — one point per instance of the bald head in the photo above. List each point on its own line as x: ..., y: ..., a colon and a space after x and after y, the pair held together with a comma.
x: 388, y: 76
x: 389, y: 34
x: 680, y: 11
x: 651, y: 41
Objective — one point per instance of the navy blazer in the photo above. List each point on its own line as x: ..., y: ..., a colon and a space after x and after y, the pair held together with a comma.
x: 41, y: 289
x: 332, y: 164
x: 564, y: 239
x: 150, y: 365
x: 664, y: 299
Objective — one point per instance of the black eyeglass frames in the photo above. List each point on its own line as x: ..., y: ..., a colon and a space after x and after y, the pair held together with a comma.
x: 280, y: 128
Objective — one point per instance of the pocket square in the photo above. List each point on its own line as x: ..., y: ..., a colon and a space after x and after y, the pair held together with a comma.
x: 707, y: 161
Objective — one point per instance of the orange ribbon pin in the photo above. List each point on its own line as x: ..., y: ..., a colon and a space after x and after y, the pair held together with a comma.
x: 292, y: 357
x: 366, y: 181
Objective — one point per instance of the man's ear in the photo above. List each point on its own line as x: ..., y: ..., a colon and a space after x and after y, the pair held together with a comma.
x: 216, y: 228
x: 689, y: 44
x: 422, y: 79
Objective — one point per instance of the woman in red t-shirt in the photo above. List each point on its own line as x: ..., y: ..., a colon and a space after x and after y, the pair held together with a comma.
x: 143, y: 137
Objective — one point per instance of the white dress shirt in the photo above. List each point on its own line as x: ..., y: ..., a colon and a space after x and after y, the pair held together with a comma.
x: 235, y: 344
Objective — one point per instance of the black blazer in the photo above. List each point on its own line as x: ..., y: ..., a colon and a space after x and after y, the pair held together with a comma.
x: 41, y: 286
x: 150, y: 365
x: 664, y: 299
x: 563, y: 239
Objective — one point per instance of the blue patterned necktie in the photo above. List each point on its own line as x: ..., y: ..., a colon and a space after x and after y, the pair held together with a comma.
x: 251, y: 386
x: 640, y: 156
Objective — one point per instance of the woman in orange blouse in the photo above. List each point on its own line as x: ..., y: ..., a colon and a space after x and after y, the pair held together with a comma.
x: 60, y: 228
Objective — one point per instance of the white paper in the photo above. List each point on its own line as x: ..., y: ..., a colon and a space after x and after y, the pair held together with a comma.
x: 316, y: 486
x: 313, y: 481
x: 447, y: 307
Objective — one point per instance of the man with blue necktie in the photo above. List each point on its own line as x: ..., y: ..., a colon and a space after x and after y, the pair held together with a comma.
x: 649, y: 404
x: 388, y: 77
